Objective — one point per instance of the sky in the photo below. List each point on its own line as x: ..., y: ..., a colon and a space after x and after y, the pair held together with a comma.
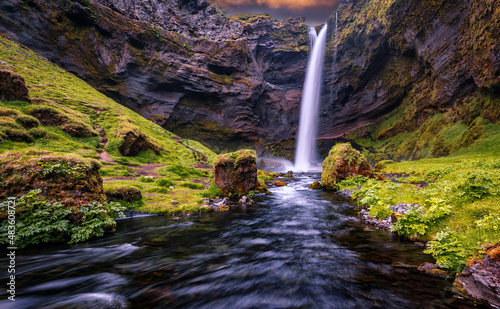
x: 316, y: 12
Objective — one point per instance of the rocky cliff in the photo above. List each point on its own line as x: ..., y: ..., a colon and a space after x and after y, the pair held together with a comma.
x: 413, y: 67
x: 228, y: 81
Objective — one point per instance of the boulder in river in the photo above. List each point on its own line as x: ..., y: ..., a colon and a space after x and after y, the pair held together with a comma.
x: 236, y: 173
x: 343, y: 161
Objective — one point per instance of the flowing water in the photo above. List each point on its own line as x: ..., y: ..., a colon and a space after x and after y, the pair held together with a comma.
x: 298, y: 248
x: 306, y: 153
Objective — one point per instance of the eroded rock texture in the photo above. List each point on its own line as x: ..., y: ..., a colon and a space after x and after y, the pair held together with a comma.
x: 480, y: 280
x: 410, y: 60
x: 236, y: 173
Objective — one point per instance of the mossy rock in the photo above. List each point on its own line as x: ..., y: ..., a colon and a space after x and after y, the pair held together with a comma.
x: 135, y: 142
x: 123, y: 193
x: 67, y: 179
x: 316, y: 186
x: 13, y: 87
x: 342, y: 162
x: 50, y: 116
x: 236, y: 173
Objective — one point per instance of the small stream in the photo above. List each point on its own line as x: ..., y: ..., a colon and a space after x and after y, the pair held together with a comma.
x: 298, y: 248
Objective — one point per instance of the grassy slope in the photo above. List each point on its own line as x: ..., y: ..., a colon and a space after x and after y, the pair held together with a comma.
x: 82, y: 104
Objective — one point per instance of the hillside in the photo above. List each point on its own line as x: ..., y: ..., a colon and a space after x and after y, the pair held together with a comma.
x: 67, y: 116
x: 226, y: 81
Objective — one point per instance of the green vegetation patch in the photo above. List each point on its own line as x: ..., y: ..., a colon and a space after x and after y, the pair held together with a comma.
x: 38, y: 221
x: 455, y: 203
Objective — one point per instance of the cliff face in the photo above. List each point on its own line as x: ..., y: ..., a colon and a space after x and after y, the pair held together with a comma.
x: 400, y: 63
x: 227, y: 81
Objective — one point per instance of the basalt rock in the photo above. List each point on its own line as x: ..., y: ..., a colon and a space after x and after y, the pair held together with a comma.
x: 480, y: 279
x: 228, y: 81
x: 236, y: 173
x: 13, y: 87
x: 343, y: 161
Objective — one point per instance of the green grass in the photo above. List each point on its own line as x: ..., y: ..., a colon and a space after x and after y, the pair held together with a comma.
x: 80, y: 103
x: 460, y: 208
x: 71, y: 102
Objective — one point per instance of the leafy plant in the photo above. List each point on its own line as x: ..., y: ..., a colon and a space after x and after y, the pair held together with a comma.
x: 146, y: 179
x: 39, y: 221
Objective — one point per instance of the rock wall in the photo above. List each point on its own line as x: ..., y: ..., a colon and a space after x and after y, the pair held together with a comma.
x: 399, y: 62
x: 228, y: 81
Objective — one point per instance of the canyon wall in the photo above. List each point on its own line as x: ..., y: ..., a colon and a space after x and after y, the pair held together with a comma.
x: 227, y: 81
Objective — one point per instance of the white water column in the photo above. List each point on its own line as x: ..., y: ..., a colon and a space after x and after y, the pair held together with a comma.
x: 306, y: 153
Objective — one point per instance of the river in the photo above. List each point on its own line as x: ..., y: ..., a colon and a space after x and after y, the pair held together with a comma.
x: 298, y: 248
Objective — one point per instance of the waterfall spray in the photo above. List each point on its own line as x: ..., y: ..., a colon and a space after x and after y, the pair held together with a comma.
x: 306, y: 153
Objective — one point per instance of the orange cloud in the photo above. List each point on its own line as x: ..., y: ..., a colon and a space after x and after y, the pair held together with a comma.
x: 276, y: 4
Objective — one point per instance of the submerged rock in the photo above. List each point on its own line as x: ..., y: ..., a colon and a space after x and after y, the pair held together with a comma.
x: 316, y: 185
x: 236, y: 173
x: 480, y: 280
x: 343, y: 161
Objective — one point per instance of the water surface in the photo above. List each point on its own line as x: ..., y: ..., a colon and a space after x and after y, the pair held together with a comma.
x: 298, y: 248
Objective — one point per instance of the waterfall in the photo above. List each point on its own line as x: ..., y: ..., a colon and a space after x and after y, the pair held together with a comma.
x: 336, y: 38
x: 306, y: 153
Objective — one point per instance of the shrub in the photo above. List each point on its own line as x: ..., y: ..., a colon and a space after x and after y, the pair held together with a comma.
x: 146, y: 179
x: 164, y: 182
x: 182, y: 171
x: 43, y: 222
x: 16, y: 135
x: 37, y: 133
x: 192, y: 185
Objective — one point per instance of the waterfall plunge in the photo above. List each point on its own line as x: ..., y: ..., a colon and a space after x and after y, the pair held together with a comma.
x: 306, y: 153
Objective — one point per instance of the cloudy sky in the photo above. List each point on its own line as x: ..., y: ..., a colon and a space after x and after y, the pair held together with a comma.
x: 316, y: 12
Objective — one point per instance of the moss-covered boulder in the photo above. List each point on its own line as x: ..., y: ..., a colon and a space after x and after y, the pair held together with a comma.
x: 51, y: 116
x: 123, y: 193
x: 67, y: 179
x: 343, y: 161
x: 236, y: 173
x: 135, y: 142
x: 13, y: 87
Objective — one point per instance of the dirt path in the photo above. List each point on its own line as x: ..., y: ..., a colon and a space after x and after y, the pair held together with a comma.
x: 104, y: 156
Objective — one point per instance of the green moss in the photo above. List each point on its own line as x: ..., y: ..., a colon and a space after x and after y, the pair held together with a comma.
x: 343, y: 161
x: 235, y: 158
x: 77, y: 107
